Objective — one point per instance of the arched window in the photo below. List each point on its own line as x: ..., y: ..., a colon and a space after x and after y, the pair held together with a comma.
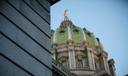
x: 61, y: 31
x: 81, y: 59
x: 79, y: 63
x: 76, y: 30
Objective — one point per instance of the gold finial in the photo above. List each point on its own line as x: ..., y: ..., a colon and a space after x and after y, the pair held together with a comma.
x: 65, y: 12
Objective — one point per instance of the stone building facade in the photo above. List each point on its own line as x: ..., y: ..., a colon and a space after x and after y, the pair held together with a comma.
x: 25, y: 45
x: 80, y: 51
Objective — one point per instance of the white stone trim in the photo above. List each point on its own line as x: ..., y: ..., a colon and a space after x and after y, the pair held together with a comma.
x: 74, y: 59
x: 72, y: 62
x: 91, y: 59
x: 54, y: 37
x: 69, y: 54
x: 84, y: 34
x: 69, y: 33
x: 106, y: 65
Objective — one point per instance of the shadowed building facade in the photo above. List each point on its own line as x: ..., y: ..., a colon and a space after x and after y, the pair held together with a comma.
x: 25, y: 46
x: 80, y: 51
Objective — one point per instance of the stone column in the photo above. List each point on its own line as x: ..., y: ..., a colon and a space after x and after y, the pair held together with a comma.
x: 54, y: 48
x: 105, y: 63
x: 54, y: 37
x: 91, y: 59
x: 72, y: 62
x: 71, y: 54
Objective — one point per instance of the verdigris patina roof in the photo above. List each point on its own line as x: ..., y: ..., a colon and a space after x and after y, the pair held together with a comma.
x: 68, y: 31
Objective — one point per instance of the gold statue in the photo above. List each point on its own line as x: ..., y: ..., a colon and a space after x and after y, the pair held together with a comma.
x: 65, y: 12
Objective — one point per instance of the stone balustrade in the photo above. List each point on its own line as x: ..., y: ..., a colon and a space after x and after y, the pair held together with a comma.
x: 63, y: 70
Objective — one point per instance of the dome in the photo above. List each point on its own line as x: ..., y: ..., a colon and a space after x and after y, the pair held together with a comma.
x: 70, y: 32
x: 78, y: 49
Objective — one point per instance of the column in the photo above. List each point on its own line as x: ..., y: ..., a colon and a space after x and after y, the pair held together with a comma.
x: 106, y: 65
x: 54, y: 37
x: 72, y: 62
x: 90, y: 59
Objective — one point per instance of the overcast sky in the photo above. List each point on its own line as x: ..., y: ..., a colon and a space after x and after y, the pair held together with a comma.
x: 107, y: 19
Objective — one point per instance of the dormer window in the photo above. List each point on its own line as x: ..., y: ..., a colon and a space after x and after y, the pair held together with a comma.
x: 89, y: 34
x: 61, y: 31
x: 84, y: 29
x: 76, y: 30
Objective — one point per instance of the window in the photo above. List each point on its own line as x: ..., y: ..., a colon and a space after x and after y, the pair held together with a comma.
x: 76, y: 30
x: 79, y: 64
x: 61, y: 31
x: 84, y: 29
x: 89, y: 34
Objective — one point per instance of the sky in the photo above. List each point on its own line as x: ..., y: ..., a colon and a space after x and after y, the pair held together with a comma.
x: 107, y: 19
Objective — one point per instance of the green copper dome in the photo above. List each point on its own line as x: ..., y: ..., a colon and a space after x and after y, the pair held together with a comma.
x: 69, y: 32
x: 78, y: 49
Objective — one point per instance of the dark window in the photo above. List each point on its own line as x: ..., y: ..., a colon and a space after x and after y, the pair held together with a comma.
x: 89, y: 34
x: 76, y: 30
x: 84, y: 29
x: 79, y: 63
x: 62, y: 31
